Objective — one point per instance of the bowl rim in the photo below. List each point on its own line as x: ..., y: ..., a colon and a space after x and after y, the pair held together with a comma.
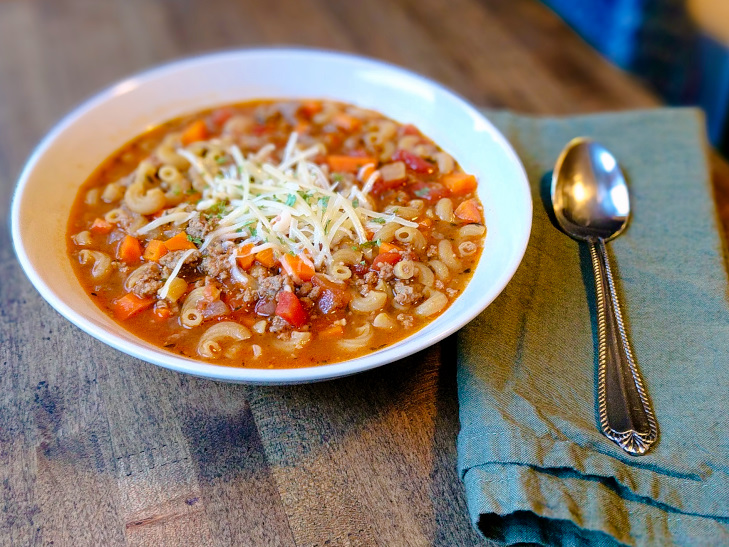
x: 261, y: 376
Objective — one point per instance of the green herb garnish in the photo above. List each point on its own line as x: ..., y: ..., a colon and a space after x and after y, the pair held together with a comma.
x: 195, y: 240
x: 378, y: 220
x: 291, y: 200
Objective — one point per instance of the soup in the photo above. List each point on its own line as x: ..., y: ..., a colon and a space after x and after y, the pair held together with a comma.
x: 277, y: 233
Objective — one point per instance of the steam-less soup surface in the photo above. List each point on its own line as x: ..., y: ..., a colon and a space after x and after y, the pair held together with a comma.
x: 277, y: 234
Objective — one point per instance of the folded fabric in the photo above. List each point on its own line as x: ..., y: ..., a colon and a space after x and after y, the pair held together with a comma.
x: 535, y: 467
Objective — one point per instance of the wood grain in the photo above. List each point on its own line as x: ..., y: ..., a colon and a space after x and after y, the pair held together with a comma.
x: 97, y: 448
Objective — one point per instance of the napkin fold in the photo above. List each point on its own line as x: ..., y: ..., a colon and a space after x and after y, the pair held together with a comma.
x: 535, y: 467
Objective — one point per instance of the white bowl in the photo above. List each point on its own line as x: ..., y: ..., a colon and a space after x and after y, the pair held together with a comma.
x: 93, y: 131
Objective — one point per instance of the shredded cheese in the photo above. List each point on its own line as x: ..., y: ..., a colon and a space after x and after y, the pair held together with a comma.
x: 291, y: 206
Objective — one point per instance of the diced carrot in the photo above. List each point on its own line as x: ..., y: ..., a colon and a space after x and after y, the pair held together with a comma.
x: 131, y: 304
x: 348, y: 164
x: 309, y: 108
x: 302, y: 127
x: 386, y: 247
x: 266, y: 258
x: 346, y: 122
x: 297, y: 267
x: 425, y: 224
x: 460, y: 184
x: 129, y: 250
x: 101, y: 226
x: 289, y: 308
x: 365, y: 172
x: 335, y: 331
x: 155, y: 250
x: 179, y: 242
x: 468, y: 212
x: 196, y: 131
x: 393, y: 257
x: 162, y: 312
x: 245, y: 257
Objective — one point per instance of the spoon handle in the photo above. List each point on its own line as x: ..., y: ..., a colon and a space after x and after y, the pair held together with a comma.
x: 626, y: 416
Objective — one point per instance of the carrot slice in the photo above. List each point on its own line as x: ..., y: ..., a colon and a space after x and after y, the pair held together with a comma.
x: 129, y: 250
x: 460, y: 183
x: 296, y: 267
x: 468, y: 212
x: 266, y: 258
x: 155, y: 250
x: 335, y: 331
x: 245, y: 258
x: 131, y: 304
x: 309, y: 108
x: 347, y: 122
x: 196, y: 131
x: 162, y: 313
x: 179, y: 242
x: 101, y: 226
x: 348, y: 164
x: 386, y: 247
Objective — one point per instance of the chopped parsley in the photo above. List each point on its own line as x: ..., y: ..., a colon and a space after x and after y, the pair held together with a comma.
x: 324, y: 202
x: 218, y: 209
x: 378, y: 220
x: 290, y: 200
x: 423, y: 192
x: 195, y: 240
x: 337, y: 177
x: 367, y: 245
x: 355, y: 203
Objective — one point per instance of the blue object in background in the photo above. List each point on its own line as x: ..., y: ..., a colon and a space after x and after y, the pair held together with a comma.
x: 658, y: 41
x: 610, y: 26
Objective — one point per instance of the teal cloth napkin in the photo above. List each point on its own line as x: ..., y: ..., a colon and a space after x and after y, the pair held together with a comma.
x: 534, y: 465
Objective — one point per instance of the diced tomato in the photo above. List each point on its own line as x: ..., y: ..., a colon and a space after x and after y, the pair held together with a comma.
x: 265, y: 308
x: 333, y: 297
x: 416, y: 163
x: 309, y: 108
x: 392, y: 257
x: 290, y: 309
x: 429, y: 191
x: 384, y: 185
x: 468, y: 212
x: 101, y: 226
x: 221, y: 115
x: 234, y: 300
x: 410, y: 129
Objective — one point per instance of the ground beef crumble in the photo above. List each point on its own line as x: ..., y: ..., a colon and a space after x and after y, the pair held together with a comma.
x: 406, y: 295
x: 215, y: 262
x: 405, y: 320
x: 149, y: 280
x: 170, y: 259
x: 200, y: 226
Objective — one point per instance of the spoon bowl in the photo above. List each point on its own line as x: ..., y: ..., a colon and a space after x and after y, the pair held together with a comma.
x: 591, y: 203
x: 590, y: 195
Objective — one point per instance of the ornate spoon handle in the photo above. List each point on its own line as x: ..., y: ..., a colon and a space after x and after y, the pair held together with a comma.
x: 626, y: 416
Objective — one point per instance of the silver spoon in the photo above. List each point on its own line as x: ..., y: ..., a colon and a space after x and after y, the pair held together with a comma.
x: 591, y: 203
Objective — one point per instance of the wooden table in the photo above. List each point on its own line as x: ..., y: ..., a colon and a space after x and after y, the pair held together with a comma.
x: 97, y: 448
